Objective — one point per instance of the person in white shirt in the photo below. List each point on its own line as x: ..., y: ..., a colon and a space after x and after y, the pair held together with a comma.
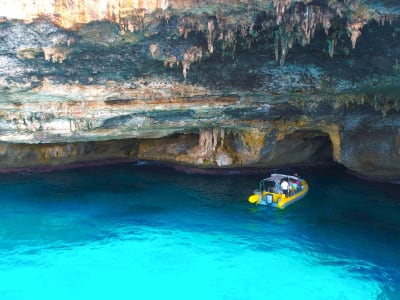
x: 285, y: 187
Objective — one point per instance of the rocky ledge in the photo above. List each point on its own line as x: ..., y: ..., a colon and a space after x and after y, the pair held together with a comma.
x: 224, y: 84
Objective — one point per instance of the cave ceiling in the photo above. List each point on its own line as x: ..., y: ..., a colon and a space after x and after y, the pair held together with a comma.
x: 275, y: 46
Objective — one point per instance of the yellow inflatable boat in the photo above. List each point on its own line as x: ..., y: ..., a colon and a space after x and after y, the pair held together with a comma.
x: 279, y: 190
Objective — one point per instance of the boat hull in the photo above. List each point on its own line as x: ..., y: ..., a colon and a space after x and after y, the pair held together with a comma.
x: 286, y: 201
x: 278, y: 200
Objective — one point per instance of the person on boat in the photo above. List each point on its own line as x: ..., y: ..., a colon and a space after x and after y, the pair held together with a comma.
x: 285, y: 187
x: 297, y: 182
x: 294, y: 185
x: 277, y: 187
x: 298, y: 178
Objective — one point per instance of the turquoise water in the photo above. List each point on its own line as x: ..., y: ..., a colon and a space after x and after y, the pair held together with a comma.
x: 149, y: 232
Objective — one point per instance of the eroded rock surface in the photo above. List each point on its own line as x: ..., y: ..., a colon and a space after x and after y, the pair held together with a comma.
x: 204, y: 83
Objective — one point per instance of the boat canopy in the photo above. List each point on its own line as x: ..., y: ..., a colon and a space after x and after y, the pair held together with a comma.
x: 276, y: 178
x: 279, y: 177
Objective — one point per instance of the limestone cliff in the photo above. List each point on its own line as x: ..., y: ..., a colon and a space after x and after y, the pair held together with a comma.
x: 205, y: 83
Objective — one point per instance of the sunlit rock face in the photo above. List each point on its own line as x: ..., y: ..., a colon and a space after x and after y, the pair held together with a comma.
x: 212, y: 84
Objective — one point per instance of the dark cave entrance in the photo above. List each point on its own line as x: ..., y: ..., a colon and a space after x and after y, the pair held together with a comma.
x: 313, y: 147
x: 308, y: 147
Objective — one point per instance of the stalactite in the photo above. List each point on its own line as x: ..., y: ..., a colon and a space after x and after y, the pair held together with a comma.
x: 354, y: 29
x: 385, y: 18
x: 193, y: 54
x: 284, y: 47
x: 229, y: 42
x: 188, y: 24
x: 222, y: 131
x: 337, y: 7
x: 282, y: 38
x: 211, y: 142
x: 154, y: 50
x: 280, y: 6
x: 306, y: 25
x: 313, y: 16
x: 276, y: 45
x: 331, y: 46
x: 211, y: 35
x: 171, y: 61
x: 298, y: 23
x: 164, y: 4
x: 215, y: 137
x: 56, y: 54
x: 326, y: 21
x: 205, y: 142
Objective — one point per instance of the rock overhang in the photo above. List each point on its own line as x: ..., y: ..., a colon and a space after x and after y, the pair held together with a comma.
x: 235, y: 72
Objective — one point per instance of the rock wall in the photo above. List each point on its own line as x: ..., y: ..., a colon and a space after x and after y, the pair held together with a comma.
x: 211, y: 84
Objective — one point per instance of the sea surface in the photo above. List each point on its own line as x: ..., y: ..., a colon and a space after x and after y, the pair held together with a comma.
x: 145, y: 231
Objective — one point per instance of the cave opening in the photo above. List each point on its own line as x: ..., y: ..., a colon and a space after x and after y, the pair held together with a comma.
x: 312, y: 147
x: 302, y: 147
